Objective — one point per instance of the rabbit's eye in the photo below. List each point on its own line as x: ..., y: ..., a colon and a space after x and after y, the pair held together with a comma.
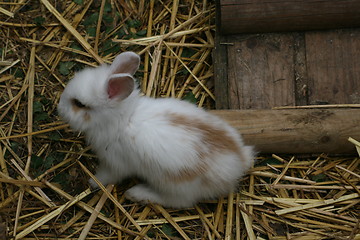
x: 78, y: 104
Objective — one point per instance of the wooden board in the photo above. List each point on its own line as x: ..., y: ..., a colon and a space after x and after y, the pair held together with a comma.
x: 333, y: 66
x: 255, y: 16
x: 261, y: 71
x: 220, y: 59
x: 288, y: 69
x: 296, y: 130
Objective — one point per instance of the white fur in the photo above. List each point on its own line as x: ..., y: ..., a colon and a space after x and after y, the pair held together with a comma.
x: 134, y: 137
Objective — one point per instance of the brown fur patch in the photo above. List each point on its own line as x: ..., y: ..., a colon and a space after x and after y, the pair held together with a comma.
x: 186, y: 174
x: 86, y: 117
x: 214, y: 140
x: 75, y: 108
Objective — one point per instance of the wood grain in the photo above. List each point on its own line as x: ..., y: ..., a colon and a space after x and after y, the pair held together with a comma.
x: 333, y: 59
x: 296, y: 130
x: 301, y: 78
x: 254, y: 16
x: 220, y: 66
x: 261, y: 71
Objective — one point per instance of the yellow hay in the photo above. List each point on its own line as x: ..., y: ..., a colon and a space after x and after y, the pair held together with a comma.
x: 45, y: 166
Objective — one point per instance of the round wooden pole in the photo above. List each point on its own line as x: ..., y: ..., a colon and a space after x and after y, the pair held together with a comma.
x: 296, y: 130
x: 255, y: 16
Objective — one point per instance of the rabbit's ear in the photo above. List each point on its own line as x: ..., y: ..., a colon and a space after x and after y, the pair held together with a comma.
x: 126, y: 62
x: 120, y: 87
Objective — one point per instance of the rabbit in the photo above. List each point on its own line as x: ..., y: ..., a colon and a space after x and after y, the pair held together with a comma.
x: 183, y: 153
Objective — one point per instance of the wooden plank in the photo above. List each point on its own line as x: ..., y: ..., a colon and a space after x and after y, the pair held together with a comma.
x: 333, y: 66
x: 261, y: 71
x: 300, y: 70
x: 254, y: 16
x: 296, y: 130
x: 220, y: 66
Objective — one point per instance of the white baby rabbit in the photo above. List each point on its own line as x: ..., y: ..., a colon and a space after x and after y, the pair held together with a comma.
x: 183, y: 153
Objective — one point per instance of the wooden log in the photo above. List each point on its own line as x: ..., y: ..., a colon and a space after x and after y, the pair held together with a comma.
x: 255, y: 16
x: 297, y: 131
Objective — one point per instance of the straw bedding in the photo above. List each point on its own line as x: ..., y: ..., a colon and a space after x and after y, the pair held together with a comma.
x: 45, y: 166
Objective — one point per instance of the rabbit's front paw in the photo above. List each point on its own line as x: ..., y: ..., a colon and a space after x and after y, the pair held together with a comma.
x: 143, y: 194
